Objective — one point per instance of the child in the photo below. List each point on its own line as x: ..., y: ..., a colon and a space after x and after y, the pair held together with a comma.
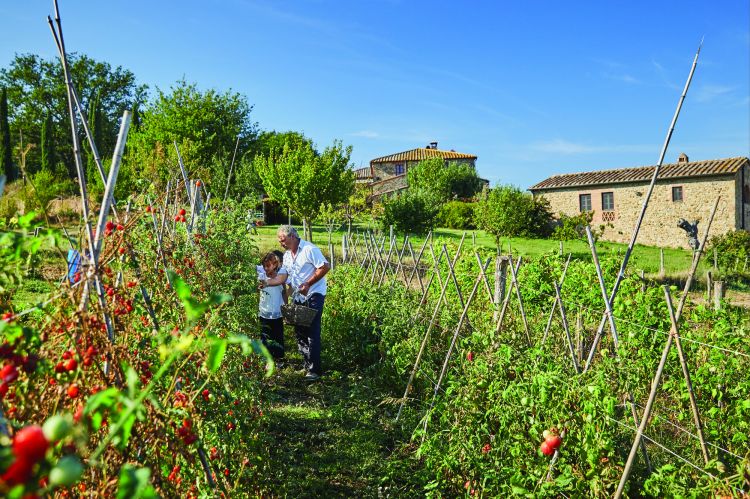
x: 272, y: 277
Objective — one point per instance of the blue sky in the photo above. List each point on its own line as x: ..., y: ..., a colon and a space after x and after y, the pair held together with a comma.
x: 532, y: 88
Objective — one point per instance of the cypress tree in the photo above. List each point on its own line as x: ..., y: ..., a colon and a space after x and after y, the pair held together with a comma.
x: 6, y: 158
x: 48, y: 160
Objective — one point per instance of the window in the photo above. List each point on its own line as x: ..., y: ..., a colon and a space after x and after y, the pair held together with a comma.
x: 677, y: 194
x: 608, y: 201
x: 399, y: 169
x: 584, y: 202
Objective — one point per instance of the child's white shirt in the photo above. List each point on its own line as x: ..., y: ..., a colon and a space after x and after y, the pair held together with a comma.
x: 271, y: 299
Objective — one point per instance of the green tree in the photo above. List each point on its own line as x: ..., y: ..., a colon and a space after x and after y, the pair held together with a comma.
x: 299, y: 177
x: 447, y: 180
x: 205, y: 125
x: 410, y: 211
x: 94, y: 117
x: 47, y: 160
x: 6, y: 159
x: 36, y: 89
x: 245, y: 180
x: 508, y: 211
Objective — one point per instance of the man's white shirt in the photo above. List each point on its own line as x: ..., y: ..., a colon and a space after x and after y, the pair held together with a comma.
x: 302, y: 266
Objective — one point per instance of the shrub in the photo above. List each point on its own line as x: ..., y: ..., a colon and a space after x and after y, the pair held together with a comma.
x: 508, y: 211
x: 568, y: 228
x: 733, y: 251
x: 457, y: 215
x: 412, y: 211
x: 445, y: 180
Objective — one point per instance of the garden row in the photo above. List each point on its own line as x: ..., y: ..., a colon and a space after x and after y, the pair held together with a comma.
x: 478, y: 418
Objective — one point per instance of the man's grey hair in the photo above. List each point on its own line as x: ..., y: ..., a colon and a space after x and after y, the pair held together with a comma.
x: 287, y: 230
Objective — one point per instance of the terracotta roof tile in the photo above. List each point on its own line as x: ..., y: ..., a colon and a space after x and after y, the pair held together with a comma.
x: 421, y: 154
x: 692, y: 169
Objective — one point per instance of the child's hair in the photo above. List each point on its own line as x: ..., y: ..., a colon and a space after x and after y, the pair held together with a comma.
x: 272, y: 257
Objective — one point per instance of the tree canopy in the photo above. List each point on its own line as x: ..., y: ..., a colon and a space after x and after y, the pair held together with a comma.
x: 299, y: 177
x: 36, y: 90
x: 508, y: 211
x: 447, y: 181
x: 205, y: 124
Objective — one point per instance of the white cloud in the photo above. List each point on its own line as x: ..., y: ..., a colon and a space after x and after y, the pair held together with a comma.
x: 708, y: 93
x: 368, y: 134
x: 623, y: 77
x: 565, y: 147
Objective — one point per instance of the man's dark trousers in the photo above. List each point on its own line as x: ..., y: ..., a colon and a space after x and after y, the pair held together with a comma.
x: 308, y: 338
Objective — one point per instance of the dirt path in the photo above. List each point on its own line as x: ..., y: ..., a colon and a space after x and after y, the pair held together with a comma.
x: 328, y: 438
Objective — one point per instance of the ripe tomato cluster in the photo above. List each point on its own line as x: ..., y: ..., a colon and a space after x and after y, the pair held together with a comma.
x: 551, y: 443
x: 186, y: 433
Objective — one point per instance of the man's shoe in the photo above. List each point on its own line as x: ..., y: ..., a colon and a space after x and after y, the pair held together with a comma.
x: 311, y: 376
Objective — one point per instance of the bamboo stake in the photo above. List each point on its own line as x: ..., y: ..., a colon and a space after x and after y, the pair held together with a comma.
x: 660, y: 369
x: 552, y: 309
x: 184, y: 173
x: 231, y: 168
x: 484, y: 278
x: 602, y: 287
x: 419, y: 258
x: 565, y: 327
x: 508, y: 293
x: 422, y: 346
x: 464, y: 316
x: 514, y: 283
x: 634, y: 237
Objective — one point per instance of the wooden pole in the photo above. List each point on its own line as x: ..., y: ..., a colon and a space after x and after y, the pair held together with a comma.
x: 661, y: 262
x: 718, y: 294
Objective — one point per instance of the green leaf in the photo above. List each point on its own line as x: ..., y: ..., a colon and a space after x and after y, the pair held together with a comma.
x: 216, y: 354
x: 132, y: 380
x: 134, y: 483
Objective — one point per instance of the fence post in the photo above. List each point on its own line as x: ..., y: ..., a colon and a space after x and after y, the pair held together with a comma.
x: 709, y: 286
x: 716, y: 259
x: 661, y: 262
x: 330, y: 252
x: 501, y: 275
x: 561, y: 248
x: 719, y: 291
x: 344, y: 252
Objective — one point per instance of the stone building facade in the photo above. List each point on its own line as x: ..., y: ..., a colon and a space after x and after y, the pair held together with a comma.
x: 387, y: 174
x: 684, y: 190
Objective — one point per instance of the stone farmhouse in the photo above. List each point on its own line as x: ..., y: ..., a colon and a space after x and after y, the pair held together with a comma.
x: 387, y: 174
x: 686, y: 189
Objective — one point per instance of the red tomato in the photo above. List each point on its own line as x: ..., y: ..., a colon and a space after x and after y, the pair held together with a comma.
x: 546, y: 449
x: 73, y: 391
x: 554, y: 441
x: 30, y: 443
x: 18, y: 472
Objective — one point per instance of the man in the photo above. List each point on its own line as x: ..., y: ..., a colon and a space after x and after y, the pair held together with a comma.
x: 307, y: 267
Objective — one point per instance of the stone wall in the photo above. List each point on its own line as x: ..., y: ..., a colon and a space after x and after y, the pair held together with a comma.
x: 389, y: 185
x: 659, y: 226
x: 382, y: 171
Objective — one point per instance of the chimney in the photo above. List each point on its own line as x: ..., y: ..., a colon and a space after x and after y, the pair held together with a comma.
x: 433, y: 145
x: 683, y: 158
